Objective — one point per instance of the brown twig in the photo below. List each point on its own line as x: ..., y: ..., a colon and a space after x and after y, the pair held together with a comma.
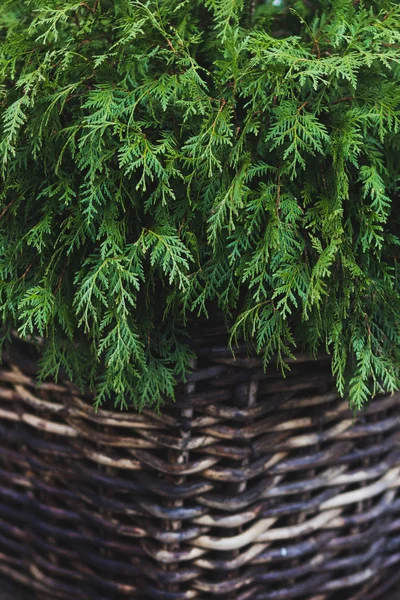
x: 93, y: 8
x: 76, y: 19
x: 5, y: 209
x: 221, y: 108
x: 303, y: 105
x: 171, y: 46
x: 344, y: 99
x: 28, y: 268
x: 90, y: 8
x: 316, y: 46
x: 59, y: 283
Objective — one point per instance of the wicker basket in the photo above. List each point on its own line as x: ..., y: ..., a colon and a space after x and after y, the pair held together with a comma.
x: 249, y: 487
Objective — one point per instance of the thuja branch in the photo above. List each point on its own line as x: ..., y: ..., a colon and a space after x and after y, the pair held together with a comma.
x: 225, y: 154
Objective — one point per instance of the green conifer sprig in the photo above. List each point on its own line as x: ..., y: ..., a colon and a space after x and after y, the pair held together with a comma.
x: 164, y: 159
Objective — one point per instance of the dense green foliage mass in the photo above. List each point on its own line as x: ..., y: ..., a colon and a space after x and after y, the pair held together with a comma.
x: 169, y: 158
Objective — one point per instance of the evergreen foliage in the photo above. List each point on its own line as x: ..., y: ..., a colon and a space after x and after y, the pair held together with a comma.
x: 169, y: 158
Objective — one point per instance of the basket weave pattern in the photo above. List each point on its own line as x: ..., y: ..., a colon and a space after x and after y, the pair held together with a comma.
x: 249, y: 487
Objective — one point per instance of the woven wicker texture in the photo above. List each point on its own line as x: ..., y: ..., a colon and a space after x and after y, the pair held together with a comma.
x: 249, y: 487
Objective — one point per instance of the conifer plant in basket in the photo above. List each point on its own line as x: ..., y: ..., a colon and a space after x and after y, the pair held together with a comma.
x: 194, y: 192
x: 162, y: 160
